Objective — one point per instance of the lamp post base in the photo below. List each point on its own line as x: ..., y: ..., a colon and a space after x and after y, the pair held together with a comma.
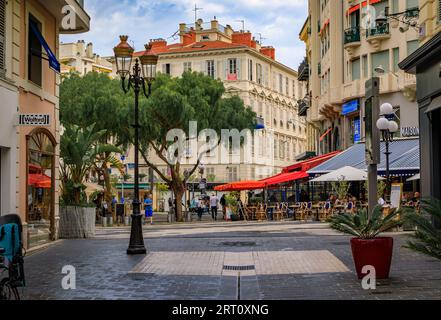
x: 136, y: 245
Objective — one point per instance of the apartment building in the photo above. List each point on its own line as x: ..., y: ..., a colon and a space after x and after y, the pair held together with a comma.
x: 29, y: 126
x: 425, y: 64
x: 346, y: 47
x: 81, y: 58
x: 250, y: 71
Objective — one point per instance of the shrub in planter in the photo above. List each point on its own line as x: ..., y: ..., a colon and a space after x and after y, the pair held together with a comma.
x: 367, y: 247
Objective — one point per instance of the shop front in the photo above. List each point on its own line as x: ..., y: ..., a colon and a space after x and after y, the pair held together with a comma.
x: 352, y: 122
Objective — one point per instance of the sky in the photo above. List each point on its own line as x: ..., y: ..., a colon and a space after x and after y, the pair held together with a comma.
x: 278, y: 21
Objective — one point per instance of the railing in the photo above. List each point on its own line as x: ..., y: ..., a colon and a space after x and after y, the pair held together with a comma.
x: 204, y: 26
x: 303, y: 106
x: 303, y: 73
x: 352, y: 35
x: 378, y: 31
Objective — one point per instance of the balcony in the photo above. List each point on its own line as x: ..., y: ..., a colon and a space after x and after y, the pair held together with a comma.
x: 351, y: 39
x: 81, y: 23
x: 303, y: 72
x: 303, y: 106
x: 376, y: 35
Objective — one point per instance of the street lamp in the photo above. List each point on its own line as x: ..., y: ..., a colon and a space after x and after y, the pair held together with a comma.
x: 388, y: 128
x: 137, y: 79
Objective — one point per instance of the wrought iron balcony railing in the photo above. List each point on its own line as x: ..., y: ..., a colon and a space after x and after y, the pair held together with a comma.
x: 303, y: 73
x: 352, y: 35
x: 303, y: 106
x: 378, y: 30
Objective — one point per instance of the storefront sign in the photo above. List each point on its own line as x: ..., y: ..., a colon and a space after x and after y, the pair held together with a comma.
x: 357, y: 128
x: 350, y: 107
x: 410, y: 131
x: 34, y: 120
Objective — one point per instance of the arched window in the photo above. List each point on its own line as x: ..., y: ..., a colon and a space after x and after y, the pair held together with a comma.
x: 40, y: 200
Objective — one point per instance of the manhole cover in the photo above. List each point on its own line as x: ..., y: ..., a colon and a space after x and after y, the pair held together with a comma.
x: 239, y: 268
x: 238, y: 244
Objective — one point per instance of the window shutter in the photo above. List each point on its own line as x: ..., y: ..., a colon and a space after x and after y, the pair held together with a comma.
x: 2, y: 36
x: 164, y: 68
x: 239, y: 68
x: 225, y: 69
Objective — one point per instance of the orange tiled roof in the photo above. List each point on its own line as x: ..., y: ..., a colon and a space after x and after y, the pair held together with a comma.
x: 196, y: 46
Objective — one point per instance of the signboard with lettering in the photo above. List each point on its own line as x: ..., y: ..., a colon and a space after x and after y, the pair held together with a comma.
x: 395, y: 195
x: 410, y: 131
x: 351, y: 106
x: 34, y: 120
x: 357, y: 130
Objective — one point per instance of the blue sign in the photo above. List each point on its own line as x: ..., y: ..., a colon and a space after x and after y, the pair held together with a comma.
x: 350, y: 107
x: 123, y: 158
x: 131, y: 165
x: 356, y: 128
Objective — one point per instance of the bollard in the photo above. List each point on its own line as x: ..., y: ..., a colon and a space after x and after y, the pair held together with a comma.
x: 104, y: 222
x: 127, y: 221
x: 110, y: 221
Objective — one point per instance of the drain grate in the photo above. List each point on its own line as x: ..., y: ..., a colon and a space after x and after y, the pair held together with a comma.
x: 239, y: 268
x: 238, y: 244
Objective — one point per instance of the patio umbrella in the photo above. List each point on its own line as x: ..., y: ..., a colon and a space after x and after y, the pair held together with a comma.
x: 344, y: 174
x: 415, y: 177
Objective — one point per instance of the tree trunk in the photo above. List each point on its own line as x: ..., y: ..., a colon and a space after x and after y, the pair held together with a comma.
x: 108, y: 190
x: 178, y: 191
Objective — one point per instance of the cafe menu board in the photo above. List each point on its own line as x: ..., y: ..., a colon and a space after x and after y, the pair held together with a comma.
x: 396, y: 194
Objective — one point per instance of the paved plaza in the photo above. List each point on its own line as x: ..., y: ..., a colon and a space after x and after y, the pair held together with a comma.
x: 237, y: 261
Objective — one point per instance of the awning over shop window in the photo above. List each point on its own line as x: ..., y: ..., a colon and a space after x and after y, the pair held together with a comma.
x: 241, y: 185
x: 38, y: 180
x: 310, y: 163
x: 404, y: 159
x: 285, y: 177
x: 52, y: 59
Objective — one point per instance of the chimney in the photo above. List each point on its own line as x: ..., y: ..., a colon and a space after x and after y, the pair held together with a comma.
x: 214, y: 24
x: 158, y: 44
x: 189, y: 38
x: 242, y: 38
x: 89, y: 50
x: 269, y: 52
x: 80, y: 47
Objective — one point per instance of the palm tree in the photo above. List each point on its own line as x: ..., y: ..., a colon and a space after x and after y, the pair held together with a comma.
x: 427, y: 236
x: 80, y: 151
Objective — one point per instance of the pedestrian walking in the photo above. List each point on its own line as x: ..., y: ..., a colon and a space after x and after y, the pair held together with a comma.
x: 223, y: 202
x: 213, y: 204
x: 200, y: 206
x: 148, y: 207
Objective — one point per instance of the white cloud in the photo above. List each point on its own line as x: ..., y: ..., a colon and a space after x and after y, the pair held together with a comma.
x: 279, y: 21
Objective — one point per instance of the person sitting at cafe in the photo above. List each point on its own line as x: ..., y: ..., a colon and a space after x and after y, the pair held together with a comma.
x: 416, y: 197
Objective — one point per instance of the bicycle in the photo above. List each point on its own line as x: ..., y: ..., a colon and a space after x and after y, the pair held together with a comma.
x: 14, y: 266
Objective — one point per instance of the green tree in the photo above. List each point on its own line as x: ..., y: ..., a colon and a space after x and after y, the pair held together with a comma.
x: 95, y: 101
x: 173, y: 104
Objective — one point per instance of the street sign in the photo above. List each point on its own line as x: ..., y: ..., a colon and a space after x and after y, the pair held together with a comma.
x: 34, y: 119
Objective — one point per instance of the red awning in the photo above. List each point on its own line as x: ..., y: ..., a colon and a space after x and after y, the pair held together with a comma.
x: 241, y: 185
x: 325, y: 134
x: 39, y: 180
x: 310, y: 163
x: 285, y: 177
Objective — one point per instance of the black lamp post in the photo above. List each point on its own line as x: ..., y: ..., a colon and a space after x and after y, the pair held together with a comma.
x: 141, y: 74
x: 388, y: 128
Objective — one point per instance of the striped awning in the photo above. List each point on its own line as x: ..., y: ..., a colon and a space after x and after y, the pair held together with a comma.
x: 404, y: 159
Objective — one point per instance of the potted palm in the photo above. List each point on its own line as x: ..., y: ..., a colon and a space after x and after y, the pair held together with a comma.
x: 368, y: 248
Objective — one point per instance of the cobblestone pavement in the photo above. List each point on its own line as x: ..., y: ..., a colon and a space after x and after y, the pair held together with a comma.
x: 282, y: 260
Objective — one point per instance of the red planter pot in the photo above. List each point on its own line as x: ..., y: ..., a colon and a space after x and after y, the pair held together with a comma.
x: 376, y: 252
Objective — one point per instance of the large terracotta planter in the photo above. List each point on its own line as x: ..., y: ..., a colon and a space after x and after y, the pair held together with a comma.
x: 376, y: 252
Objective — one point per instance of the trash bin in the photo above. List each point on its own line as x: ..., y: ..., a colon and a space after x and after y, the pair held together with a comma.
x: 127, y: 221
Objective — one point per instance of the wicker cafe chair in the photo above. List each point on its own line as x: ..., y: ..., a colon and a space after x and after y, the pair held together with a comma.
x: 261, y: 212
x: 296, y: 209
x: 326, y: 211
x: 279, y: 211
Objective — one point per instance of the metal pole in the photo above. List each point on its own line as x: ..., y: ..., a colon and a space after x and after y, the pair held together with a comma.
x: 372, y: 144
x: 387, y: 153
x: 136, y: 245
